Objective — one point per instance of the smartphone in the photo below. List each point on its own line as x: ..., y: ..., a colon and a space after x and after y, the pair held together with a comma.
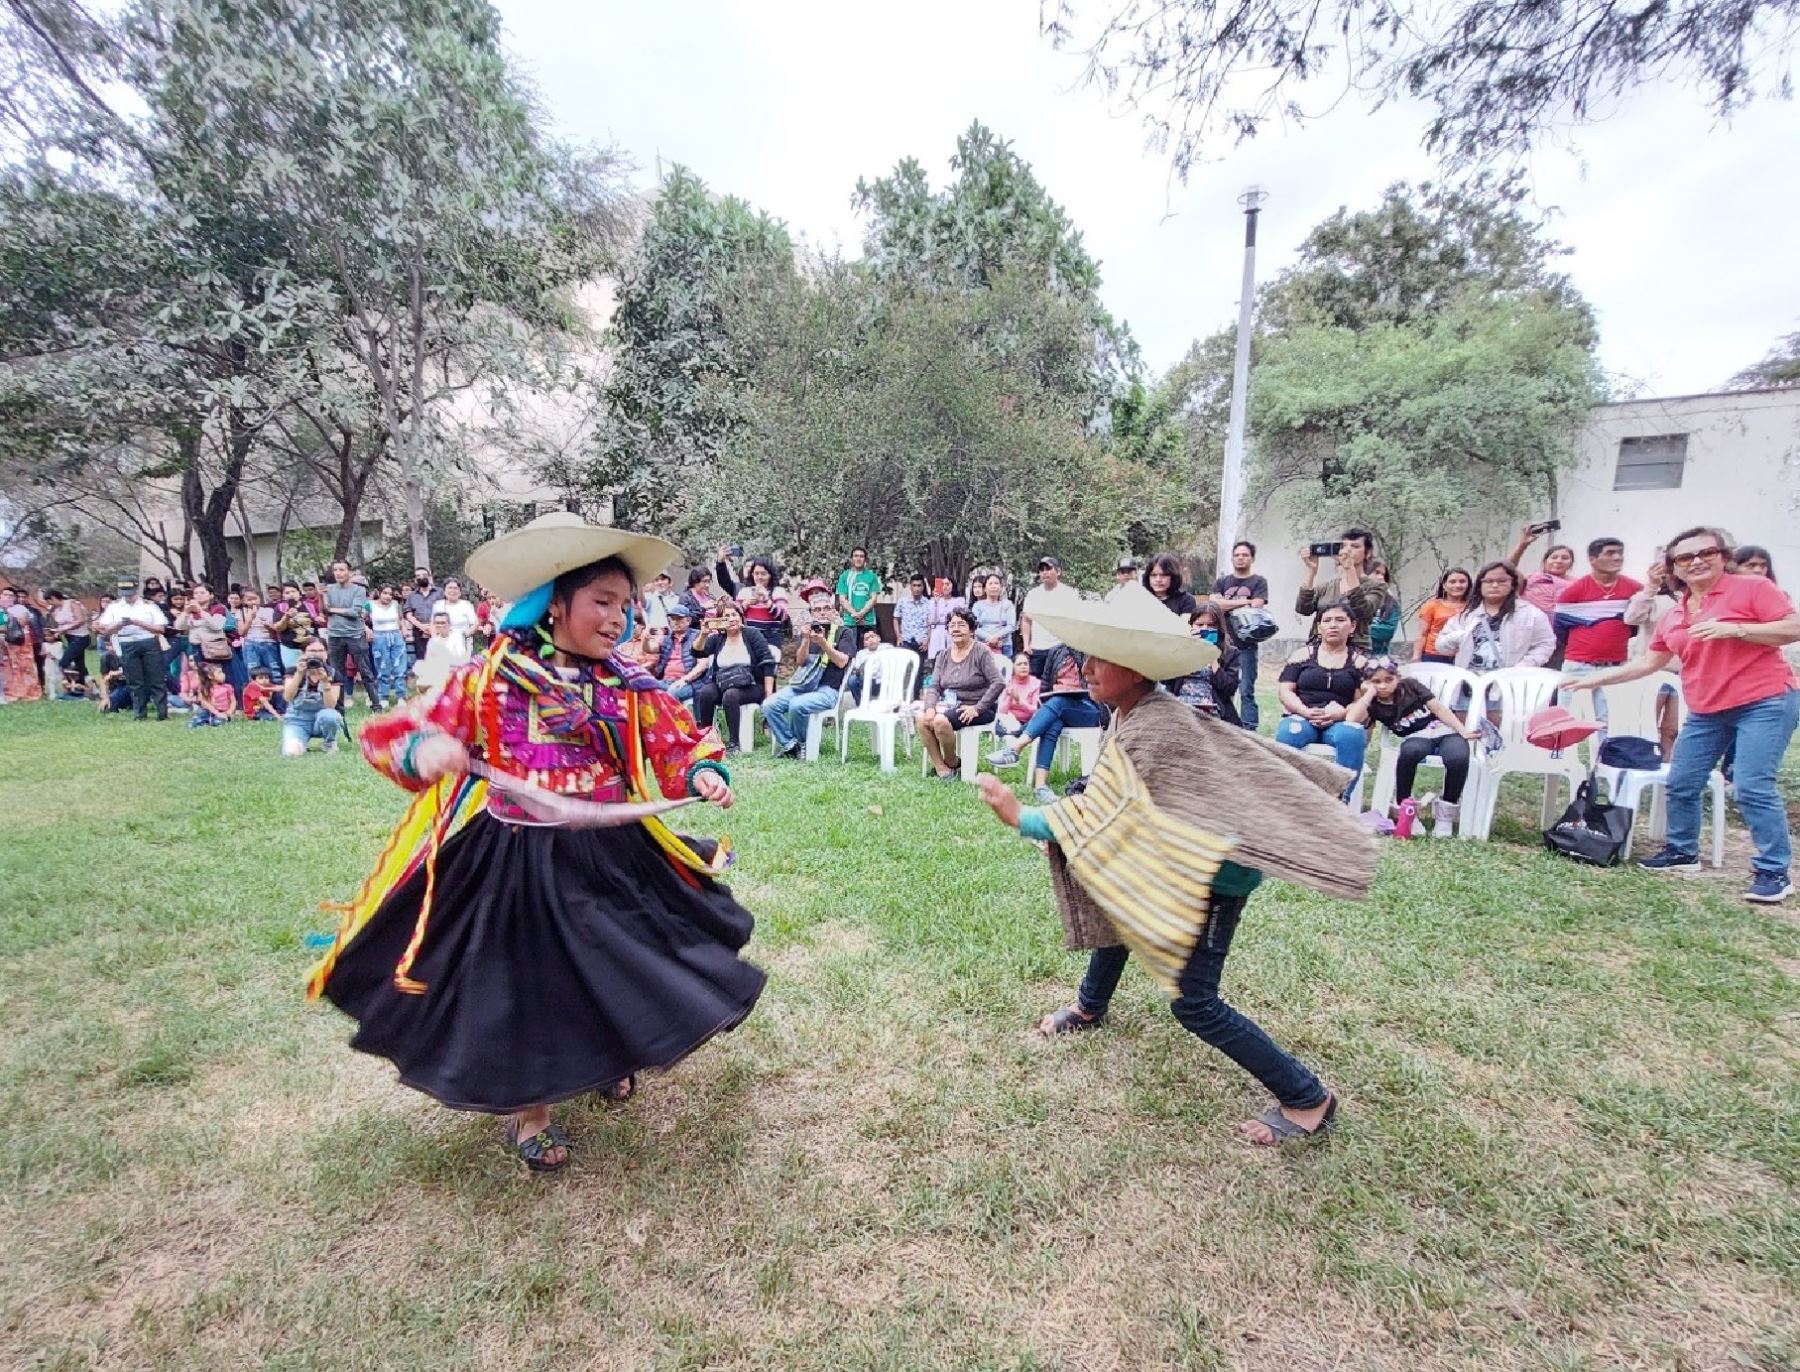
x: 1547, y: 526
x: 735, y: 550
x: 1327, y: 549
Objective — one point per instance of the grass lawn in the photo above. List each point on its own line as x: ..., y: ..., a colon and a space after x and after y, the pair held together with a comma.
x: 1571, y: 1135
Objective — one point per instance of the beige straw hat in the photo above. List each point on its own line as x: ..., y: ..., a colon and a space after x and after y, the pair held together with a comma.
x: 1134, y: 630
x: 518, y: 563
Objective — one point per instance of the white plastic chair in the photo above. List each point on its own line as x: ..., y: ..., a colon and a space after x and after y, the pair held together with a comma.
x: 1631, y: 710
x: 747, y: 727
x: 889, y: 678
x: 1086, y: 743
x: 1446, y: 683
x: 1519, y: 692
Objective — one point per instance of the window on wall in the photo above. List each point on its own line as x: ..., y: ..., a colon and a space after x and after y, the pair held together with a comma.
x: 1650, y: 464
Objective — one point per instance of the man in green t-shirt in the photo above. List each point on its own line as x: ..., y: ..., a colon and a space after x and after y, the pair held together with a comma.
x: 857, y: 586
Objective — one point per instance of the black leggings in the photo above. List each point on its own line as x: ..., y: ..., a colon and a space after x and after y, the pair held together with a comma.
x: 708, y: 699
x: 1450, y: 749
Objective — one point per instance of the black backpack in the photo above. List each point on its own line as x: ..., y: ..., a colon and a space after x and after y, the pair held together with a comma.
x: 1589, y: 831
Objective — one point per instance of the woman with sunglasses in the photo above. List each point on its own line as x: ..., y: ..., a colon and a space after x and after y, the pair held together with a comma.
x: 1728, y: 630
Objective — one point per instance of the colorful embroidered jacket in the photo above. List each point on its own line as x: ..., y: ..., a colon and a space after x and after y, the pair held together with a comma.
x: 606, y: 732
x: 585, y: 733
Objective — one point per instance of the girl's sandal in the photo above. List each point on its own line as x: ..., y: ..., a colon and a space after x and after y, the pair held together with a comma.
x: 1068, y: 1020
x: 534, y: 1152
x: 621, y: 1090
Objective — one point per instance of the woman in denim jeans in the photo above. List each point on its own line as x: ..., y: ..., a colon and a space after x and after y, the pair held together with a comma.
x: 1065, y: 705
x: 391, y: 656
x: 1728, y: 631
x: 1318, y: 686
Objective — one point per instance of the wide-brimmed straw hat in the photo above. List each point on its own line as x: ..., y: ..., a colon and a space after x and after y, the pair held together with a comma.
x: 518, y: 563
x: 1133, y: 630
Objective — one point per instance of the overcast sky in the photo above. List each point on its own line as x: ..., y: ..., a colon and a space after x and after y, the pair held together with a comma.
x: 1683, y: 230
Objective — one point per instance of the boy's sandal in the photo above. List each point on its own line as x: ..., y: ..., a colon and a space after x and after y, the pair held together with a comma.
x: 1068, y: 1020
x: 1286, y: 1131
x: 534, y: 1151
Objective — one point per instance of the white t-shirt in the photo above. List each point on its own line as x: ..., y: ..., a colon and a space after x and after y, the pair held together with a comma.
x: 462, y: 615
x: 384, y: 618
x: 1041, y: 599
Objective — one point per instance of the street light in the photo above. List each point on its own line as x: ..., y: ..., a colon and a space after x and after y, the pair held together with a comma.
x: 1231, y: 485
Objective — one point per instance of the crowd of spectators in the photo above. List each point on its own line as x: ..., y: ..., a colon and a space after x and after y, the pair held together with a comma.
x: 743, y: 632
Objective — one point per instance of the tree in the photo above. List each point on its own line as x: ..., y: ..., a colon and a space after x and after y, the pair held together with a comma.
x: 1410, y: 429
x: 997, y: 219
x: 884, y: 421
x: 1780, y: 368
x: 672, y: 397
x: 1416, y: 253
x: 1498, y: 75
x: 400, y: 158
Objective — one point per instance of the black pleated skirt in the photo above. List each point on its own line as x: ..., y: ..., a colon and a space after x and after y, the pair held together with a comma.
x: 556, y: 962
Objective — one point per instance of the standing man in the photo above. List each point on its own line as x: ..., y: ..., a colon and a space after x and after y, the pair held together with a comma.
x: 1592, y: 611
x: 138, y: 626
x: 1243, y: 588
x: 417, y: 610
x: 857, y: 586
x: 1124, y: 574
x: 347, y: 632
x: 1050, y: 596
x: 660, y: 601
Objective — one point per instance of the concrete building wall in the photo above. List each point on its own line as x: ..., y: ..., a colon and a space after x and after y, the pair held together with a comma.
x: 1740, y: 471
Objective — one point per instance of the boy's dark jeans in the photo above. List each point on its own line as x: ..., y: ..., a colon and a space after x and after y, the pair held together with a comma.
x: 1203, y: 1013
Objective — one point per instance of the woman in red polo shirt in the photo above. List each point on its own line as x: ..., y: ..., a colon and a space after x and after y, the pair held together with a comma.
x: 1728, y: 631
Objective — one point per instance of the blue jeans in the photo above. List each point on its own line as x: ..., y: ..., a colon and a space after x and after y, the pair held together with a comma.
x: 682, y: 691
x: 266, y: 655
x: 1247, y: 710
x: 788, y: 713
x: 326, y: 724
x: 1348, y: 741
x: 1053, y: 716
x: 392, y: 662
x: 1761, y: 730
x: 1203, y: 1013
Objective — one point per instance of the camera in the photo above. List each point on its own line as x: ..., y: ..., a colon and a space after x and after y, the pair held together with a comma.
x: 1327, y: 549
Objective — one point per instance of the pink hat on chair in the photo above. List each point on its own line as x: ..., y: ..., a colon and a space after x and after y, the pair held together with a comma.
x: 1555, y: 728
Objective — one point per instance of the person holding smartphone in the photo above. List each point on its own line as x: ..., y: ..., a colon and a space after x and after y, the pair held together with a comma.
x: 1354, y: 586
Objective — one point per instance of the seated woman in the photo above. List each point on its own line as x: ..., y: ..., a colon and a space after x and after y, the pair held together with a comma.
x: 1425, y: 728
x: 1212, y: 691
x: 1019, y: 701
x: 964, y: 693
x: 1500, y: 628
x: 742, y: 670
x: 1318, y: 686
x: 1065, y: 705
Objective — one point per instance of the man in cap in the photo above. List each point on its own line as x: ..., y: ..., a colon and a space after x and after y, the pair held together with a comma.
x: 1048, y: 595
x: 1124, y: 574
x: 1156, y: 857
x: 136, y: 625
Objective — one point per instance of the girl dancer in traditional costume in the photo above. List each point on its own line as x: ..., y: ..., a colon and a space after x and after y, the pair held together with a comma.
x: 1159, y: 854
x: 508, y: 951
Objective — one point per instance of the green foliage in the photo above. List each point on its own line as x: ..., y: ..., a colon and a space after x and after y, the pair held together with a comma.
x: 997, y: 219
x: 1498, y: 76
x: 1408, y: 429
x: 678, y: 371
x: 1781, y: 367
x: 881, y: 420
x: 1415, y: 254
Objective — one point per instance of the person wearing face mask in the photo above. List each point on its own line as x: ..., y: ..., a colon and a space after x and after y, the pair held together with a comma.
x: 534, y: 932
x: 416, y: 610
x: 1211, y: 690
